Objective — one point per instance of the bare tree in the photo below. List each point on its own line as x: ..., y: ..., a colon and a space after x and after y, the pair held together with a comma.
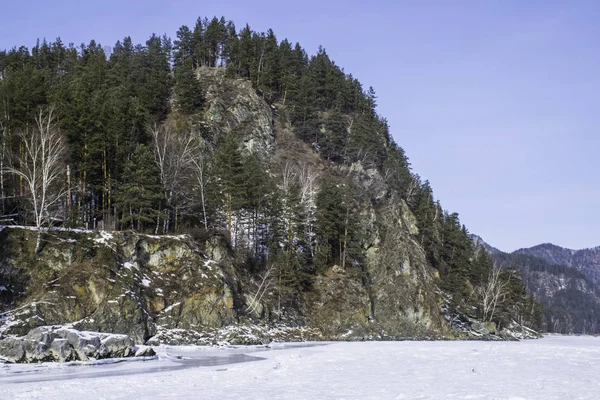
x: 289, y: 177
x: 309, y: 189
x: 174, y: 155
x: 41, y: 167
x: 411, y: 191
x: 182, y: 159
x: 492, y: 293
x: 265, y: 285
x: 3, y: 154
x: 200, y: 177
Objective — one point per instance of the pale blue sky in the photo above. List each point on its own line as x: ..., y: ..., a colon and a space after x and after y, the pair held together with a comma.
x: 495, y: 102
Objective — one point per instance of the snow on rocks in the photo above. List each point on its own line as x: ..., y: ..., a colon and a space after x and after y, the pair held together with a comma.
x: 234, y: 335
x: 105, y: 238
x: 63, y: 343
x: 129, y: 265
x: 144, y: 351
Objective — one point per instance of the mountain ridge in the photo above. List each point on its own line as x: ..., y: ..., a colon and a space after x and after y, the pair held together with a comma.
x: 570, y: 296
x: 587, y: 261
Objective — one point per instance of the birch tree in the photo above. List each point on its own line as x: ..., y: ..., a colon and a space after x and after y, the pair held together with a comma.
x: 182, y: 160
x: 199, y: 174
x: 41, y: 168
x: 492, y: 293
x: 308, y: 199
x: 3, y: 157
x: 174, y: 156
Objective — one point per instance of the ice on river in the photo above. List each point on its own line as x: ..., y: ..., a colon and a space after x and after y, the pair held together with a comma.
x: 555, y: 367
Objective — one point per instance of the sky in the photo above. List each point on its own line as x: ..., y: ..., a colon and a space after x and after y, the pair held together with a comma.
x: 494, y: 102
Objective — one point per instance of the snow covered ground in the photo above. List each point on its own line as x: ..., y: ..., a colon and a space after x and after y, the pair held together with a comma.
x: 555, y: 367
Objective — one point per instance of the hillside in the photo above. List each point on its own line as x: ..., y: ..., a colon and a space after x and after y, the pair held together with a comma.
x: 239, y: 139
x: 586, y: 261
x: 571, y: 300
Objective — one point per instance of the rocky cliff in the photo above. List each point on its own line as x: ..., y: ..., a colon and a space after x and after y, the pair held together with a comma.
x: 186, y: 290
x: 194, y: 288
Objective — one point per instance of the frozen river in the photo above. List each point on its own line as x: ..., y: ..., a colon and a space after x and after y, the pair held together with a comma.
x: 551, y: 368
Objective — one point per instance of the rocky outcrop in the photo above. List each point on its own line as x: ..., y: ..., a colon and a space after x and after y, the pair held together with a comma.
x: 59, y: 343
x: 119, y: 283
x: 478, y: 241
x: 397, y: 296
x: 171, y: 290
x: 233, y: 107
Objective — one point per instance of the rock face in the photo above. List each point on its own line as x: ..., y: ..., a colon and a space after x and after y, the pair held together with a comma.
x: 120, y: 283
x: 56, y: 343
x: 233, y: 107
x: 400, y: 299
x: 478, y: 241
x: 172, y: 290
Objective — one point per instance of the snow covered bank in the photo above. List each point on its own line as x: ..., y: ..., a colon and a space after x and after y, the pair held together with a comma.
x: 550, y: 368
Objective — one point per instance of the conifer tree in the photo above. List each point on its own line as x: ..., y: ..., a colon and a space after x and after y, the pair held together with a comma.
x: 140, y: 194
x: 256, y: 188
x: 188, y: 89
x: 229, y: 186
x: 188, y: 46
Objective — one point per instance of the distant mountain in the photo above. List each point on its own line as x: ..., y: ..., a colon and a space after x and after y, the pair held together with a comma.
x: 561, y: 279
x: 587, y: 261
x: 479, y: 241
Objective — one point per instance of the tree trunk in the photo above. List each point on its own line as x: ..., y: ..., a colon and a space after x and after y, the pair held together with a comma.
x: 38, y: 243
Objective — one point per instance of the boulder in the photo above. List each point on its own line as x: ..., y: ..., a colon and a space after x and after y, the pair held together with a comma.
x: 479, y: 327
x: 62, y: 350
x: 57, y: 343
x: 12, y: 350
x: 118, y: 345
x: 144, y: 351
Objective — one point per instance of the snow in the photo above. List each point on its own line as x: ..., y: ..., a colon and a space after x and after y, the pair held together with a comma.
x: 52, y: 229
x: 555, y: 367
x: 105, y: 238
x: 128, y: 265
x: 166, y: 310
x: 175, y: 237
x: 207, y: 264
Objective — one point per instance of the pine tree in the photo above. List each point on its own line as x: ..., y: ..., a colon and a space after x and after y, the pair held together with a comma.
x: 336, y: 226
x: 187, y: 46
x: 256, y: 188
x: 229, y: 187
x: 188, y: 89
x: 140, y: 193
x: 456, y: 256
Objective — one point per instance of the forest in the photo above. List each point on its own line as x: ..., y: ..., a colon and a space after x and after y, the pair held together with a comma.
x: 115, y: 138
x: 573, y: 308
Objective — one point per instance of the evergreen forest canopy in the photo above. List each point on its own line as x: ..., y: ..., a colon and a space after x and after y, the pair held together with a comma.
x: 137, y: 155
